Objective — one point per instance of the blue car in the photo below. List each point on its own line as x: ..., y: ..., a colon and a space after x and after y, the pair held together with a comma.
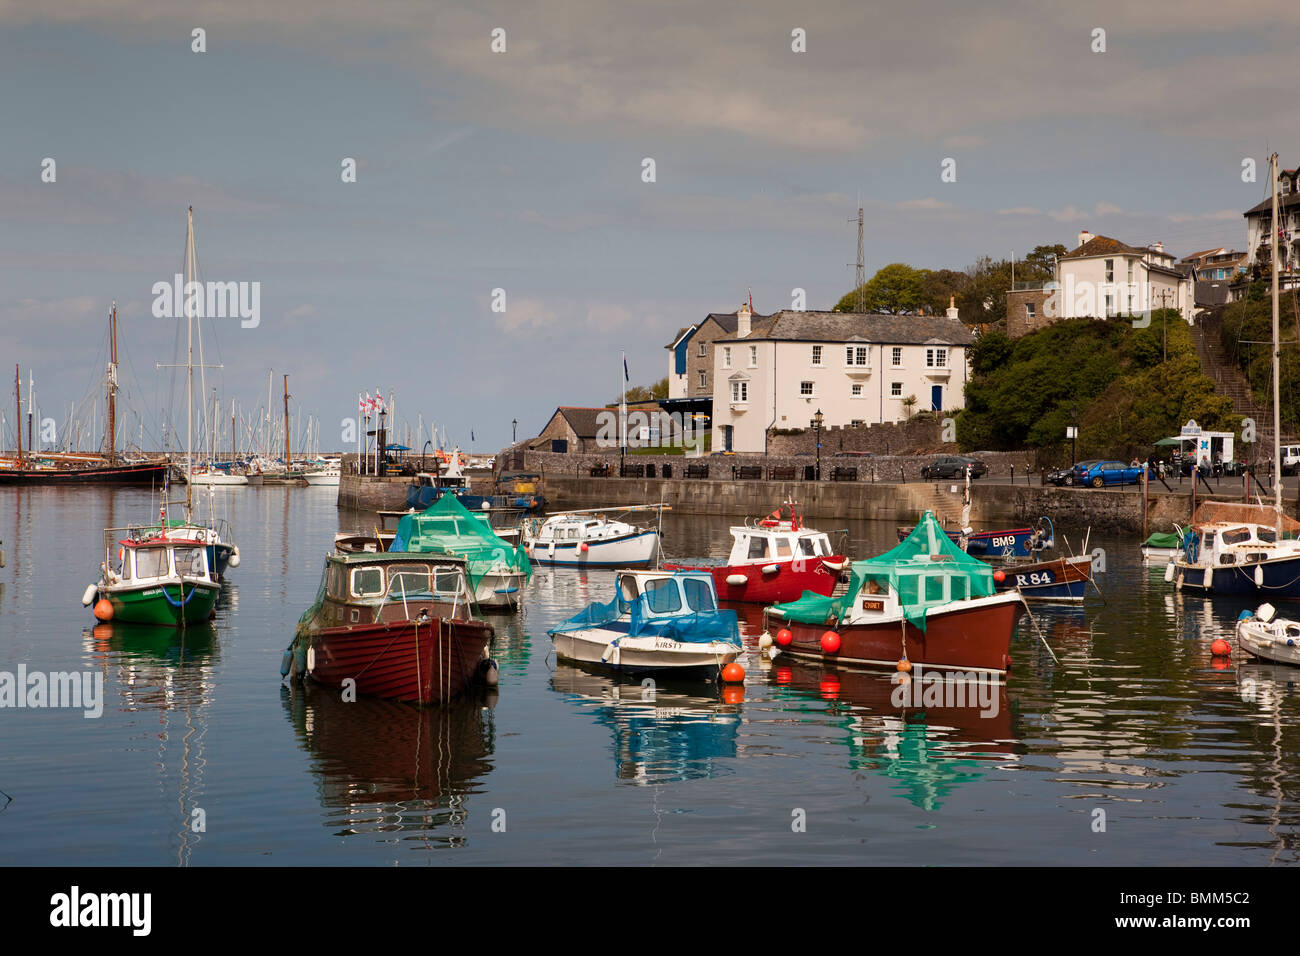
x: 1102, y: 473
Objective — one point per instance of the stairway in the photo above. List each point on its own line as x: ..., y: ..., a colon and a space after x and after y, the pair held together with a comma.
x: 1230, y: 381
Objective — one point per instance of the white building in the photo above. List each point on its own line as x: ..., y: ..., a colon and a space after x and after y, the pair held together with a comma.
x: 1259, y: 232
x: 1104, y: 278
x: 778, y: 371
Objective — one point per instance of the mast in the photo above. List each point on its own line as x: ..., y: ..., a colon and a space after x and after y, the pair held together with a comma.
x: 110, y: 436
x: 189, y: 364
x: 287, y: 459
x: 18, y: 422
x: 1277, y: 411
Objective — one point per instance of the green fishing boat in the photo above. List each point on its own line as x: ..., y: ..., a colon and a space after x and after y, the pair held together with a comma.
x: 149, y: 579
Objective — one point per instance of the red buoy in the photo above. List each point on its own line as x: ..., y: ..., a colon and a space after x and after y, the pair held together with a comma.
x: 104, y: 609
x: 830, y: 642
x: 784, y: 637
x: 1220, y: 648
x: 733, y: 673
x: 999, y: 575
x: 582, y: 547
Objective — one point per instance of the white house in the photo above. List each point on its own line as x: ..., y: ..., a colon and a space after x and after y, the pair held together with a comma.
x: 778, y: 371
x: 1104, y: 277
x: 1259, y: 231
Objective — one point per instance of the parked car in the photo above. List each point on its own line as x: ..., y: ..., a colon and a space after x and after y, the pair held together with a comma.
x: 1102, y: 473
x: 954, y: 466
x: 1065, y: 476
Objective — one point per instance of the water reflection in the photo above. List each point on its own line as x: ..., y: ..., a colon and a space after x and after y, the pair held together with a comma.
x: 392, y: 771
x: 168, y: 672
x: 928, y: 745
x: 663, y: 733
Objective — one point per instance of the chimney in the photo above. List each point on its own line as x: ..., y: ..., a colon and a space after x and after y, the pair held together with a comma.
x: 1085, y: 237
x: 1159, y: 246
x: 952, y: 307
x: 743, y: 321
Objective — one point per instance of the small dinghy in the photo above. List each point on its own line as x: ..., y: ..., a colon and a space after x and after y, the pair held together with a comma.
x: 1269, y: 637
x: 664, y: 622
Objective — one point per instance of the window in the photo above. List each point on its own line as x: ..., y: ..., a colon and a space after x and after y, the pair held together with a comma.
x: 1110, y: 270
x: 739, y: 392
x: 367, y: 582
x: 190, y: 561
x: 855, y: 391
x: 726, y: 357
x: 936, y: 358
x: 703, y: 349
x: 661, y: 596
x: 757, y: 548
x: 704, y: 380
x: 855, y: 355
x: 806, y: 389
x: 783, y: 548
x: 753, y: 356
x: 817, y: 355
x: 151, y: 563
x: 699, y: 594
x: 897, y: 356
x: 896, y: 389
x: 1029, y: 309
x: 1110, y: 305
x: 1130, y: 272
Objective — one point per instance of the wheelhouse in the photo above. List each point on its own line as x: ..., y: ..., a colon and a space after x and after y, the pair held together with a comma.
x: 759, y: 545
x: 666, y: 593
x: 159, y: 559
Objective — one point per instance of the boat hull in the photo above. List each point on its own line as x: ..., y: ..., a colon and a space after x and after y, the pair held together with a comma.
x: 500, y: 590
x: 1261, y: 641
x: 148, y: 474
x: 1281, y: 579
x: 624, y: 551
x: 968, y: 636
x: 785, y: 581
x: 401, y: 660
x: 321, y: 479
x: 1064, y: 579
x: 643, y: 655
x: 1011, y: 543
x: 169, y: 606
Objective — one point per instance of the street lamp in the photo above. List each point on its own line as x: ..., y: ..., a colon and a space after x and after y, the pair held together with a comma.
x: 514, y: 433
x: 816, y: 423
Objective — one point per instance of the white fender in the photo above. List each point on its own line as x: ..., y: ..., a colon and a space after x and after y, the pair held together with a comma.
x: 88, y: 596
x: 737, y: 579
x: 1169, y: 572
x: 765, y: 640
x: 311, y: 660
x: 771, y: 568
x: 234, y: 558
x: 1207, y: 578
x: 1259, y: 575
x: 834, y: 565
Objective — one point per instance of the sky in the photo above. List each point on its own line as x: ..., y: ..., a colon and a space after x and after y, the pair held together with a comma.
x: 524, y: 171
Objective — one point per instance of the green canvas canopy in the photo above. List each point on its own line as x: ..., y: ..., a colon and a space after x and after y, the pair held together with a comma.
x: 448, y: 526
x: 926, y: 569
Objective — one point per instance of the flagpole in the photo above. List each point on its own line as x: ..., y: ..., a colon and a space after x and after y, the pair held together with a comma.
x: 622, y: 409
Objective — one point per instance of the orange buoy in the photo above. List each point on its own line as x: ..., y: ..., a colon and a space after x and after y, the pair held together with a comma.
x: 733, y: 673
x: 104, y: 609
x: 1220, y: 648
x: 905, y: 666
x: 830, y: 642
x: 999, y: 575
x: 784, y: 637
x: 733, y: 695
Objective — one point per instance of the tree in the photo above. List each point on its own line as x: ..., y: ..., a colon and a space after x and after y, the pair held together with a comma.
x: 940, y: 286
x: 895, y: 289
x: 647, y: 393
x: 1040, y: 265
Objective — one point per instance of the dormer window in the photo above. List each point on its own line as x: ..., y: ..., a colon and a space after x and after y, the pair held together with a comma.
x: 1286, y: 185
x: 855, y: 356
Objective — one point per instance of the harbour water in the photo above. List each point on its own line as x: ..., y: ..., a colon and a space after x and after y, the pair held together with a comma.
x: 1135, y: 748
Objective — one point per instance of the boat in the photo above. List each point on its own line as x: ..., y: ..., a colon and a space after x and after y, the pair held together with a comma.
x: 1235, y: 548
x: 147, y: 578
x: 1162, y: 546
x: 327, y: 474
x: 1244, y: 549
x: 1006, y: 543
x: 395, y: 625
x: 53, y: 468
x: 924, y: 602
x: 1060, y: 579
x: 775, y: 559
x: 590, y: 539
x: 1265, y: 635
x: 497, y: 571
x: 659, y: 622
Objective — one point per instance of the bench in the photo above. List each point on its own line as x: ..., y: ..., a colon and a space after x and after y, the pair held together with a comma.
x: 781, y: 474
x: 631, y: 471
x: 697, y: 471
x: 844, y: 473
x: 747, y: 472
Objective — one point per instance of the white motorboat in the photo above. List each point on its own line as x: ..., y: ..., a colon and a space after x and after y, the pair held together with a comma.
x: 591, y: 539
x: 659, y: 621
x: 328, y: 475
x: 1269, y: 637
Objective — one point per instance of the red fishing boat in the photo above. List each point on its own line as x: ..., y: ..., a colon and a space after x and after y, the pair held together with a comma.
x: 395, y: 625
x: 775, y: 559
x: 924, y: 602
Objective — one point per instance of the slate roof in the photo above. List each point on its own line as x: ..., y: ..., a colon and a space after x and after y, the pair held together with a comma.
x: 1283, y: 202
x: 678, y: 337
x: 1104, y: 246
x: 787, y: 326
x: 583, y: 421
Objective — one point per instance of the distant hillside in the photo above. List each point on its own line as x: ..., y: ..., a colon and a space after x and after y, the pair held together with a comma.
x: 1249, y: 323
x: 1110, y: 378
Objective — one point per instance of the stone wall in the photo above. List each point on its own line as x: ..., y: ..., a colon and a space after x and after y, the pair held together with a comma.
x: 1018, y: 321
x: 923, y: 434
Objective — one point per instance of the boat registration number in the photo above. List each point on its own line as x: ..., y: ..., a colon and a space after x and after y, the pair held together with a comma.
x: 1004, y: 540
x: 1037, y: 577
x: 873, y: 605
x: 662, y: 645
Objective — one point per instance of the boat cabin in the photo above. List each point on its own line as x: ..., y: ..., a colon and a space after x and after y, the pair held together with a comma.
x: 160, y: 559
x: 667, y: 593
x: 584, y: 527
x: 764, y: 543
x: 367, y: 587
x: 1233, y: 543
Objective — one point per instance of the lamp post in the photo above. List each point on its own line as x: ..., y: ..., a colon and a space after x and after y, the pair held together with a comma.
x: 514, y: 431
x: 816, y: 423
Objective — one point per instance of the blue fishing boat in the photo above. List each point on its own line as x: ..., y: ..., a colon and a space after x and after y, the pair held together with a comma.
x: 1007, y: 543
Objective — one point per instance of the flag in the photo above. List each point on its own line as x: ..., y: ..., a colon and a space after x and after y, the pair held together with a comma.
x: 626, y: 377
x: 471, y: 434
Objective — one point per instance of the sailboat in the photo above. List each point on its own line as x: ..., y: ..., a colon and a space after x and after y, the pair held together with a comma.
x: 184, y: 554
x: 1243, y: 549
